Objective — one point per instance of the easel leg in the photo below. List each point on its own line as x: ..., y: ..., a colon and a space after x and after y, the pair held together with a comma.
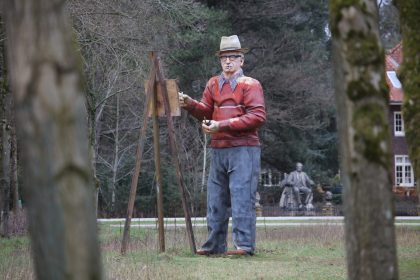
x: 174, y: 152
x: 156, y: 75
x: 159, y: 185
x: 136, y: 173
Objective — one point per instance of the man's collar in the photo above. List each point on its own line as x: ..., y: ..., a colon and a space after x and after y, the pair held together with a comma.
x: 233, y: 81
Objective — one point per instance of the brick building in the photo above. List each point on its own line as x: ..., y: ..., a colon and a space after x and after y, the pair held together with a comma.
x: 403, y: 175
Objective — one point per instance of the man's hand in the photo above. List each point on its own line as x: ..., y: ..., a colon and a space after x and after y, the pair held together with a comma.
x: 184, y: 100
x: 210, y: 126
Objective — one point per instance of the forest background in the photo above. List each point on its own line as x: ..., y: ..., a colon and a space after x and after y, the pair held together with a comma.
x: 290, y: 54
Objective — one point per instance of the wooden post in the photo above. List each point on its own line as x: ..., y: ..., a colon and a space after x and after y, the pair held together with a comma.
x: 174, y: 153
x: 156, y: 147
x: 139, y: 155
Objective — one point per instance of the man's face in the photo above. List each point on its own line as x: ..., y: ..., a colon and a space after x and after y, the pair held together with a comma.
x: 299, y: 167
x: 231, y: 62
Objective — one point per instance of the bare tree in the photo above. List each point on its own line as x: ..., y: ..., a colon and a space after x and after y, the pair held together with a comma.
x: 409, y: 17
x: 51, y: 120
x: 114, y: 37
x: 362, y: 102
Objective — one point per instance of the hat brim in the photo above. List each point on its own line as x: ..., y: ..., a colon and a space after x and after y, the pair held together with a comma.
x: 242, y: 50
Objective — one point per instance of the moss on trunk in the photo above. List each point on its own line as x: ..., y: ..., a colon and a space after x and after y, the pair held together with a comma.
x: 362, y: 104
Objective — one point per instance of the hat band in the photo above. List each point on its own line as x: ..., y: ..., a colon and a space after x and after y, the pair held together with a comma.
x: 230, y: 49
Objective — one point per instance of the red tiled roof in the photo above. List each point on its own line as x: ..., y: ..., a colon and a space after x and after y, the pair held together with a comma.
x: 393, y: 60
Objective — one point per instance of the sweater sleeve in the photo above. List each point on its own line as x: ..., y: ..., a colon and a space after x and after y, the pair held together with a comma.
x: 255, y: 114
x: 204, y: 108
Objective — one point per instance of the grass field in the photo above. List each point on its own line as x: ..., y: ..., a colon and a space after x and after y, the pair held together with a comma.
x: 315, y: 252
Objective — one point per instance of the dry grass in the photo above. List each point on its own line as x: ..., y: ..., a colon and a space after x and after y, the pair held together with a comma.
x: 315, y: 252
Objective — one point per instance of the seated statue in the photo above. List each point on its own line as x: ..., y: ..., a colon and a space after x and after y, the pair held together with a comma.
x: 300, y: 182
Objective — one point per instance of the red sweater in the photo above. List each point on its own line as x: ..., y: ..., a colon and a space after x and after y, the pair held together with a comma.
x: 240, y: 112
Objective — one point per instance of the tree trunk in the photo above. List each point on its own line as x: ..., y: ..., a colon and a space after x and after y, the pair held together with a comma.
x: 51, y: 119
x: 5, y: 173
x: 97, y: 183
x: 116, y: 154
x: 409, y: 17
x: 5, y: 114
x: 93, y: 144
x: 14, y: 186
x: 362, y: 103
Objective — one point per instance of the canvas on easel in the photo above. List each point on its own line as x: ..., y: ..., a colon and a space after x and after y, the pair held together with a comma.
x: 172, y: 89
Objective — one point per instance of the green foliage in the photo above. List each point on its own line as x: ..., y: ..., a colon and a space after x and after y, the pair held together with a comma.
x: 290, y: 56
x: 192, y: 57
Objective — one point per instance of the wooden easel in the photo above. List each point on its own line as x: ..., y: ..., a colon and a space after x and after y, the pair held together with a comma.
x: 157, y: 84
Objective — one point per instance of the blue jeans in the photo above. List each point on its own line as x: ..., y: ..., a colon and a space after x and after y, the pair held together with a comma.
x: 232, y: 183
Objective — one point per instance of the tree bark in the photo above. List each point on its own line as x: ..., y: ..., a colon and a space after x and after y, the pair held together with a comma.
x: 362, y: 102
x: 5, y: 169
x: 52, y: 126
x: 93, y: 144
x: 14, y: 185
x: 409, y: 17
x: 5, y: 116
x: 116, y: 154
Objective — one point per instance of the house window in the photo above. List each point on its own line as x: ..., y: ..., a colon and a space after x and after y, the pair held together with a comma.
x: 404, y: 176
x: 398, y: 124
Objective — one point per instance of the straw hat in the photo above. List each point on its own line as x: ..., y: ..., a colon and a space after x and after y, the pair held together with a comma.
x: 231, y: 43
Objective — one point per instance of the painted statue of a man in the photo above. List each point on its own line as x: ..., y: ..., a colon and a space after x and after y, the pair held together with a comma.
x: 301, y: 183
x: 234, y: 106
